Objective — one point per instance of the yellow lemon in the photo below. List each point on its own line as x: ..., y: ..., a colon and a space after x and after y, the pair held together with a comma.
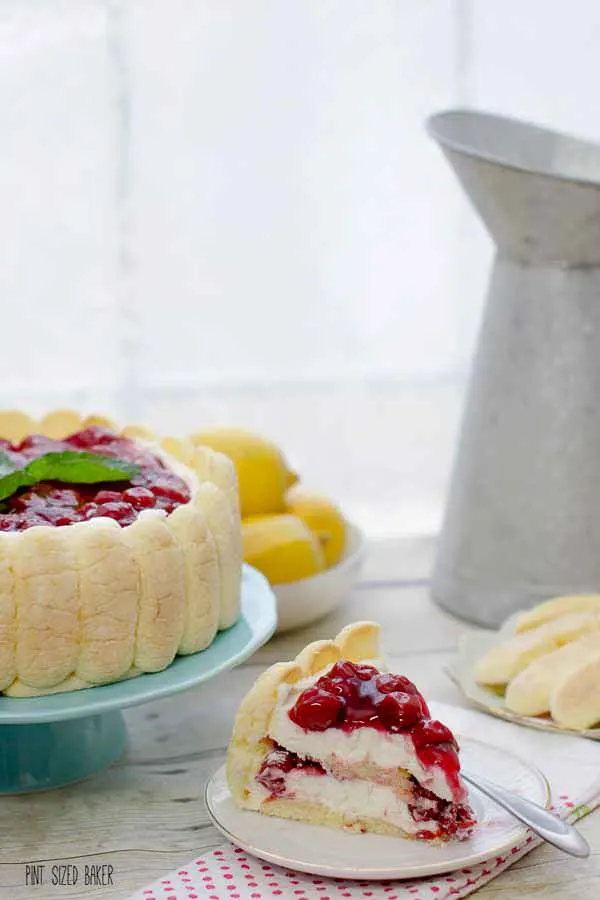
x: 263, y: 474
x: 322, y: 517
x: 282, y: 547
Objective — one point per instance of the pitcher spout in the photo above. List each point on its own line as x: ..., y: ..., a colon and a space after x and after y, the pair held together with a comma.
x: 537, y: 191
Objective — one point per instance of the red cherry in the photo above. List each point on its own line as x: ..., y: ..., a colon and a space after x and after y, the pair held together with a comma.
x: 432, y: 732
x: 115, y: 510
x: 67, y: 517
x: 387, y: 683
x: 28, y: 520
x: 27, y: 501
x: 399, y: 710
x: 171, y: 490
x: 139, y: 497
x: 316, y: 709
x: 92, y: 436
x: 62, y: 497
x: 36, y: 444
x: 108, y: 497
x: 88, y: 510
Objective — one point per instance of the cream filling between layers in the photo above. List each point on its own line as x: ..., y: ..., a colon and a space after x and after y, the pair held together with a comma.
x: 353, y: 799
x: 384, y: 750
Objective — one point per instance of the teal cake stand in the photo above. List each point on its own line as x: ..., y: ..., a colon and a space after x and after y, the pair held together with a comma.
x: 47, y: 742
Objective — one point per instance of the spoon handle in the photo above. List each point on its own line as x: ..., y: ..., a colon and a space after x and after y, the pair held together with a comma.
x: 552, y: 829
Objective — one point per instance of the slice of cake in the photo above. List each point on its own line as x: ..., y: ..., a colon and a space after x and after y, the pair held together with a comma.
x: 332, y: 738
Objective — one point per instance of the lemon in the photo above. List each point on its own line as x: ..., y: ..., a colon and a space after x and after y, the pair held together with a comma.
x: 282, y: 547
x: 323, y: 518
x: 263, y: 474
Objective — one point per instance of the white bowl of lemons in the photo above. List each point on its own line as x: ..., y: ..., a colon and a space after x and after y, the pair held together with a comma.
x: 302, y: 602
x: 302, y: 543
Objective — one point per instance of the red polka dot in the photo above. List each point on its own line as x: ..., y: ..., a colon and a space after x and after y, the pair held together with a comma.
x: 256, y: 896
x: 434, y: 888
x: 202, y: 868
x: 193, y: 896
x: 228, y: 876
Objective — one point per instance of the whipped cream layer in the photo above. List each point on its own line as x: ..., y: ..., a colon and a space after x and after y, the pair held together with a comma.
x: 354, y: 799
x: 361, y: 745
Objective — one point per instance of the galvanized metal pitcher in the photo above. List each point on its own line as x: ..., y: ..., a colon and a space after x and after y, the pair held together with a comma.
x: 523, y: 516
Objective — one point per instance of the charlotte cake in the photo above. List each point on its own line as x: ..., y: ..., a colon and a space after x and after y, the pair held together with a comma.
x: 101, y: 582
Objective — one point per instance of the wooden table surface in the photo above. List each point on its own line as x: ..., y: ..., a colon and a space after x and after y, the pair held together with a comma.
x: 145, y: 815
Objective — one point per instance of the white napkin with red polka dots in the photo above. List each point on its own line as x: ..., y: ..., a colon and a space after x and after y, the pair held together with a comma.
x: 571, y: 765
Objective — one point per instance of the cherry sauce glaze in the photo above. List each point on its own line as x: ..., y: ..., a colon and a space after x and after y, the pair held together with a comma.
x: 56, y: 503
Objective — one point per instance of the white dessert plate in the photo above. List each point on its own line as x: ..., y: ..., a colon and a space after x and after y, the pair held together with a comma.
x: 328, y: 851
x: 472, y: 647
x: 301, y: 602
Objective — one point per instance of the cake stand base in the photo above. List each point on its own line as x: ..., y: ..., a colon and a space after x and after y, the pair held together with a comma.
x: 48, y: 755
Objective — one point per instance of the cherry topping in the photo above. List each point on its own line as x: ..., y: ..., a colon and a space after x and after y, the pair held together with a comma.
x: 139, y: 497
x: 166, y: 488
x: 399, y: 709
x: 92, y: 436
x: 107, y: 497
x: 319, y: 709
x: 115, y: 510
x: 62, y: 497
x: 387, y: 683
x: 56, y: 504
x: 430, y: 731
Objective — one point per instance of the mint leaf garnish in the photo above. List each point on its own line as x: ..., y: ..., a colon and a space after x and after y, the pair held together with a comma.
x: 70, y: 466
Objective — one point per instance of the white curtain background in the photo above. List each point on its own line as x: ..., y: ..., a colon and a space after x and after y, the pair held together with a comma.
x: 229, y: 211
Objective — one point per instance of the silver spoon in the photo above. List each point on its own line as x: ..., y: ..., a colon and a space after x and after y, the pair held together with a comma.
x: 553, y: 830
